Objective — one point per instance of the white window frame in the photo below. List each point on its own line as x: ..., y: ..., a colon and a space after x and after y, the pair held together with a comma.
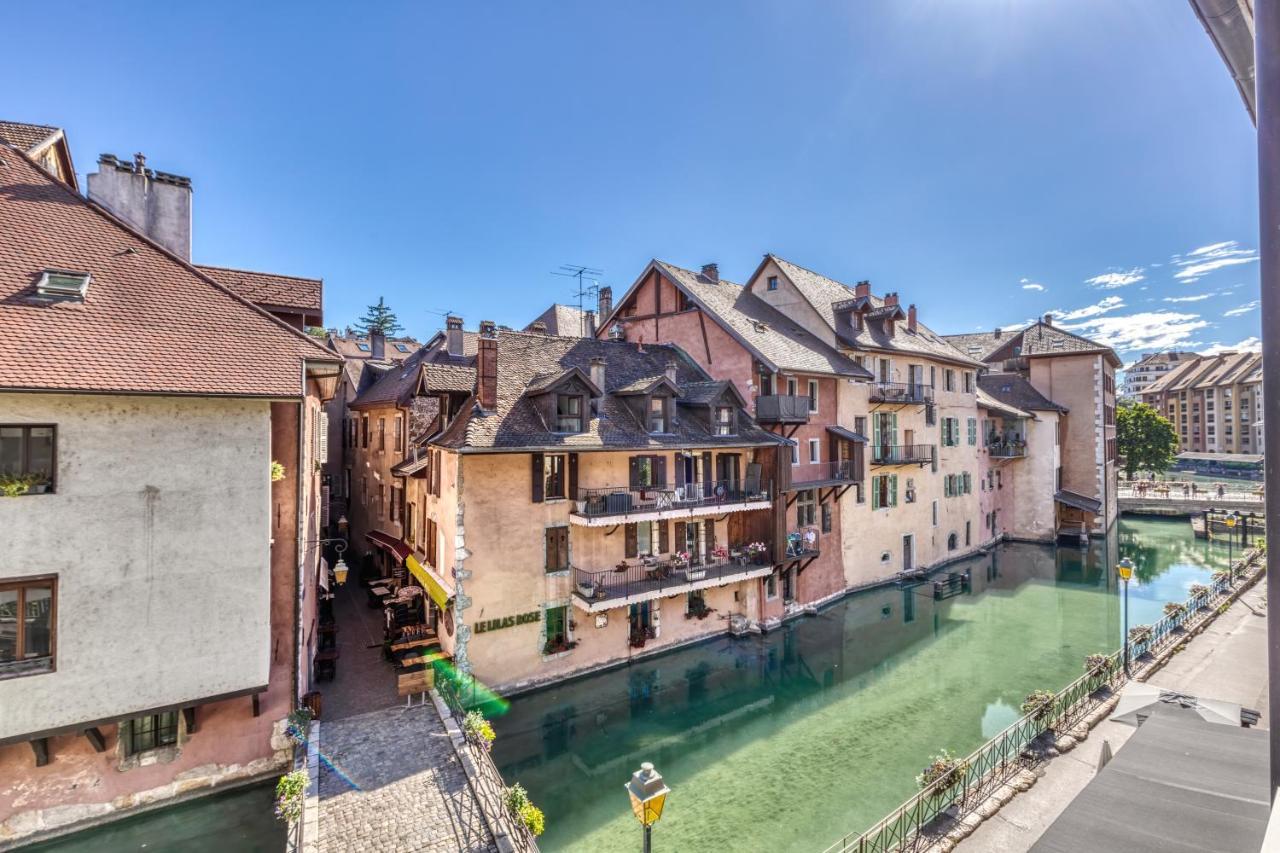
x: 815, y: 450
x: 795, y: 453
x: 813, y: 396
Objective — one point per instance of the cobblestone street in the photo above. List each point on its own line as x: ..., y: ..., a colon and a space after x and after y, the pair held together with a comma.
x: 390, y: 781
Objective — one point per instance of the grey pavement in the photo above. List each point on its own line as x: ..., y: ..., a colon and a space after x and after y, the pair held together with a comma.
x: 364, y: 681
x: 1227, y: 661
x: 391, y: 781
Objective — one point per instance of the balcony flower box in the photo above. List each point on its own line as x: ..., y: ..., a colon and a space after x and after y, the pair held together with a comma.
x: 695, y: 573
x: 587, y: 589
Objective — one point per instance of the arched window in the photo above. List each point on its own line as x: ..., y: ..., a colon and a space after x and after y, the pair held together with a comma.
x: 953, y: 542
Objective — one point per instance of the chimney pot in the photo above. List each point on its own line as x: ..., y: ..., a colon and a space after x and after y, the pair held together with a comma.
x: 998, y: 333
x: 863, y: 288
x: 604, y: 305
x: 597, y: 372
x: 453, y: 338
x: 1048, y: 319
x: 488, y: 328
x: 140, y: 163
x: 711, y: 272
x: 891, y: 300
x: 589, y: 322
x: 911, y: 318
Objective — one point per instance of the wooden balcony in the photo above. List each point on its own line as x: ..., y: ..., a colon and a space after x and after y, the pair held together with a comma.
x: 782, y: 409
x: 901, y: 392
x: 813, y: 475
x: 622, y: 504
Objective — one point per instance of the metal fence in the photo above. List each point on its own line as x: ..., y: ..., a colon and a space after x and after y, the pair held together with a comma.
x: 922, y: 820
x: 488, y: 784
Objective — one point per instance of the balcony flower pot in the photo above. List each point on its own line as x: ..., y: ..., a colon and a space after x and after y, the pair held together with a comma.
x: 587, y: 590
x: 695, y: 574
x: 581, y: 507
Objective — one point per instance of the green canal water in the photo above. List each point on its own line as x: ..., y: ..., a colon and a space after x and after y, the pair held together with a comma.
x: 788, y: 741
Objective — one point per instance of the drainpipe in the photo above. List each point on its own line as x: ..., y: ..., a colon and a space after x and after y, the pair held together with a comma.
x: 1267, y: 58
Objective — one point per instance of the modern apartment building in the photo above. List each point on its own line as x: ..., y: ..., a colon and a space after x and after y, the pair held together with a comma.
x: 1151, y: 367
x: 159, y: 576
x: 1214, y: 402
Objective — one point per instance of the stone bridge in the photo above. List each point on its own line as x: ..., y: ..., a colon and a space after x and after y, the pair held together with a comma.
x: 1176, y: 502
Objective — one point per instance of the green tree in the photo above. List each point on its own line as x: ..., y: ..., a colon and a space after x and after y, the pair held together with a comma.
x: 1146, y: 441
x: 379, y: 318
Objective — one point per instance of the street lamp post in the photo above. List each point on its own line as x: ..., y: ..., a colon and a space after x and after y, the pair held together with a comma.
x: 648, y: 795
x: 1125, y: 569
x: 1230, y: 521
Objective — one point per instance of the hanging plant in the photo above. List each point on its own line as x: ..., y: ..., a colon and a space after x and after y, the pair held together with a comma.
x: 478, y: 730
x: 944, y: 768
x: 1221, y: 576
x: 277, y: 471
x: 516, y: 799
x: 291, y: 792
x: 297, y: 725
x: 1139, y: 634
x: 1197, y: 590
x: 1098, y: 663
x: 1174, y: 609
x: 1039, y: 704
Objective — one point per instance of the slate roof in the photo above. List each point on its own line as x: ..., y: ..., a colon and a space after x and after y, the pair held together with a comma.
x: 824, y: 293
x: 1012, y: 389
x: 1038, y: 339
x: 25, y: 137
x: 270, y: 289
x: 565, y: 320
x: 774, y: 338
x: 517, y: 423
x: 151, y: 323
x: 986, y: 401
x: 348, y: 346
x: 400, y: 380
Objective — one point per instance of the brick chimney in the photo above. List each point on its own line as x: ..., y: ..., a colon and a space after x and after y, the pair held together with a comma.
x: 891, y: 300
x: 453, y: 339
x: 911, y: 319
x: 672, y: 370
x: 488, y: 329
x: 487, y: 373
x: 156, y: 203
x: 1048, y: 319
x: 589, y: 324
x: 377, y: 344
x: 597, y: 372
x: 862, y: 288
x: 998, y: 333
x: 604, y: 306
x: 711, y: 272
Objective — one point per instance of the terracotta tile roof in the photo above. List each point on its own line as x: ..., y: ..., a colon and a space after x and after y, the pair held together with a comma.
x: 824, y: 294
x: 567, y: 320
x: 270, y: 289
x: 1013, y: 389
x: 775, y: 338
x: 517, y: 423
x: 150, y: 322
x: 25, y: 137
x: 1038, y: 339
x: 398, y: 382
x: 357, y: 347
x: 1204, y: 372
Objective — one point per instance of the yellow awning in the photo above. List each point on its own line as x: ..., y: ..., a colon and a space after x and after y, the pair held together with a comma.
x: 425, y: 576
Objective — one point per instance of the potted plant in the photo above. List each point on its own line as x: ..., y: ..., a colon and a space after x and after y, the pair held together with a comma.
x: 291, y: 792
x: 756, y: 551
x: 12, y: 486
x: 1174, y: 609
x: 296, y: 725
x: 1198, y: 590
x: 1098, y: 664
x: 1139, y: 634
x: 277, y: 471
x: 516, y: 799
x: 587, y: 588
x: 36, y: 485
x: 720, y: 553
x: 1039, y: 704
x: 945, y: 769
x: 478, y: 730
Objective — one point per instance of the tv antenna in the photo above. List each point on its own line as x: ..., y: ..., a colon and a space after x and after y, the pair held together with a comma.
x: 588, y: 288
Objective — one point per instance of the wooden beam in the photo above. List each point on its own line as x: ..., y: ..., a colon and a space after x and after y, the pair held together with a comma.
x: 96, y: 738
x: 40, y: 746
x: 189, y: 716
x: 257, y: 706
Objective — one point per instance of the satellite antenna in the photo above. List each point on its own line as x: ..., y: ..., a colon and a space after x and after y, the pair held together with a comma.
x: 589, y: 290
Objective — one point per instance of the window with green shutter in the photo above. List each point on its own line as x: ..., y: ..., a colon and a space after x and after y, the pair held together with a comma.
x: 893, y: 490
x: 973, y: 431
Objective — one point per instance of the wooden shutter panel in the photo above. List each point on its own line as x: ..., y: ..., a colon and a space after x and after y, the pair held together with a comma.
x: 573, y: 476
x: 660, y: 471
x: 664, y: 537
x: 537, y: 478
x: 552, y: 544
x: 710, y: 527
x: 893, y: 490
x: 630, y: 536
x: 708, y: 473
x: 435, y: 474
x: 634, y: 463
x: 680, y: 536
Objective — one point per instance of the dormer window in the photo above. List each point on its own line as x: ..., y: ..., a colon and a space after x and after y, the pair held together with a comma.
x: 658, y: 414
x: 568, y: 413
x: 362, y: 347
x: 724, y: 420
x: 773, y: 282
x: 63, y: 285
x: 402, y: 347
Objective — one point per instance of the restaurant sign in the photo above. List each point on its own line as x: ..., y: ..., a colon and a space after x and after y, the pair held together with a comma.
x: 507, y: 621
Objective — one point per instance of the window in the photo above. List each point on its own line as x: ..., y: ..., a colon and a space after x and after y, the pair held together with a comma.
x: 557, y: 629
x: 773, y: 282
x: 381, y: 501
x: 28, y: 622
x: 950, y: 432
x: 28, y: 452
x: 967, y: 531
x: 813, y: 395
x: 396, y: 491
x: 553, y: 475
x: 399, y: 433
x: 805, y: 508
x: 860, y: 425
x: 771, y: 586
x: 815, y: 450
x: 382, y: 434
x: 362, y: 347
x: 909, y: 494
x: 935, y: 512
x: 724, y: 420
x: 949, y: 379
x: 410, y: 515
x: 953, y: 542
x: 795, y: 453
x: 793, y: 387
x: 973, y: 429
x: 557, y: 549
x: 402, y: 347
x: 657, y: 414
x: 826, y: 518
x: 568, y: 413
x: 968, y: 381
x: 648, y: 471
x: 884, y: 491
x: 364, y: 423
x: 151, y: 732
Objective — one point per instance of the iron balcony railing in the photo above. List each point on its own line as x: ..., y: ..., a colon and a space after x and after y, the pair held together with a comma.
x: 653, y: 577
x: 782, y: 409
x: 1007, y: 449
x: 625, y: 500
x: 814, y: 473
x: 802, y: 543
x: 901, y: 392
x: 902, y: 454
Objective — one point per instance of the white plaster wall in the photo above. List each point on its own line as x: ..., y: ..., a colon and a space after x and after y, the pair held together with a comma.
x: 159, y: 534
x: 1027, y: 506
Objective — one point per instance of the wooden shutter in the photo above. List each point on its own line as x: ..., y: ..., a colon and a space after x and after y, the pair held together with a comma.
x: 893, y: 490
x: 680, y: 536
x: 710, y: 527
x: 552, y: 544
x: 708, y: 473
x: 435, y: 473
x: 659, y: 470
x: 634, y: 463
x: 875, y: 492
x: 573, y: 476
x: 664, y: 537
x: 537, y: 477
x: 632, y: 549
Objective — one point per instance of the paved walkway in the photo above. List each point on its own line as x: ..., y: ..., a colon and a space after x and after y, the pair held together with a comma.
x: 390, y: 781
x: 1228, y: 661
x: 365, y: 681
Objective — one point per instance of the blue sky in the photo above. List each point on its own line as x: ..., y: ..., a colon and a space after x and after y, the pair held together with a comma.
x: 990, y: 160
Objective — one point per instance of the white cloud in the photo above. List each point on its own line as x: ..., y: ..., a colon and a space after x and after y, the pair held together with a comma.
x: 1028, y: 284
x: 1116, y: 278
x: 1198, y: 297
x: 1250, y: 344
x: 1206, y: 259
x: 1104, y: 305
x: 1242, y: 309
x: 1147, y: 330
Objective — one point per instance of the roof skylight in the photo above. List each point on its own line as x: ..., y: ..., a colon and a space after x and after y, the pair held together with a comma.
x: 63, y: 285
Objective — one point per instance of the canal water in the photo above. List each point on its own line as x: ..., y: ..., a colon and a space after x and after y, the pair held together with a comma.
x: 788, y: 741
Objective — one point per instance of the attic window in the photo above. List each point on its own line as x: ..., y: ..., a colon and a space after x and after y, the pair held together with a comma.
x: 63, y: 285
x: 759, y: 327
x: 1056, y: 344
x: 362, y: 347
x: 402, y: 347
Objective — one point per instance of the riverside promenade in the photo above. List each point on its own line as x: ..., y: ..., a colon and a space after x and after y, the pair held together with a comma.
x: 1227, y: 661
